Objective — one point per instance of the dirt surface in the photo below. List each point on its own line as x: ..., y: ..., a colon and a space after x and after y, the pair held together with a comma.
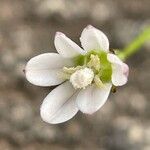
x: 27, y: 28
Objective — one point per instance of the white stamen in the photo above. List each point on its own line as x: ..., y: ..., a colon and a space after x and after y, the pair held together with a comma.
x: 82, y: 78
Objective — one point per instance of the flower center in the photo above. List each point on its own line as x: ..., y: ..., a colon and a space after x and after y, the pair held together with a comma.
x: 82, y: 78
x: 97, y: 60
x: 90, y: 68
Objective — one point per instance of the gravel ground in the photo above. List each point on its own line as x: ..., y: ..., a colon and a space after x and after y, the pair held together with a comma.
x: 27, y: 28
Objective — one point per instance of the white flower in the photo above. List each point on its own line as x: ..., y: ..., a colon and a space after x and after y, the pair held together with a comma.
x: 87, y: 75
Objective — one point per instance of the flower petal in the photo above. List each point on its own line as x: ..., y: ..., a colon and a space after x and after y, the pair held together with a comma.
x: 120, y: 70
x: 89, y: 100
x: 59, y: 105
x: 66, y: 47
x: 94, y: 39
x: 43, y: 70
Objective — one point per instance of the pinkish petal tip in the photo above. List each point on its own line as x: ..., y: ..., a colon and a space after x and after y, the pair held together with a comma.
x: 59, y: 33
x: 126, y: 70
x: 89, y: 26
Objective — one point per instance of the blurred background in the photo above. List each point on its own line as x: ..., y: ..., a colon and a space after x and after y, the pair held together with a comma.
x: 27, y: 28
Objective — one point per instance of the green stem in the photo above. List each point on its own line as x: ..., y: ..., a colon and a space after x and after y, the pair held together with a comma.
x: 135, y: 45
